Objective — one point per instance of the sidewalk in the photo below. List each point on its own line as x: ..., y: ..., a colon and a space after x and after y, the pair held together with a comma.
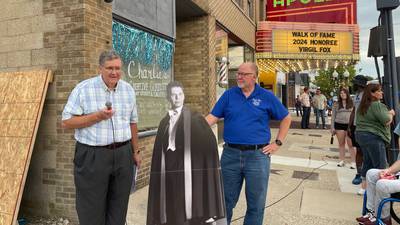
x: 327, y: 197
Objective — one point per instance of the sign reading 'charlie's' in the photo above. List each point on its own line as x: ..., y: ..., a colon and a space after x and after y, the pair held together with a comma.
x: 315, y: 42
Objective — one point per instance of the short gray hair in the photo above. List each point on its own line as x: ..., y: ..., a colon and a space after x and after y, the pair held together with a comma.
x: 107, y: 56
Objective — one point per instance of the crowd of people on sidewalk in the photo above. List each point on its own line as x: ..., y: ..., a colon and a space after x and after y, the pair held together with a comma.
x: 363, y: 124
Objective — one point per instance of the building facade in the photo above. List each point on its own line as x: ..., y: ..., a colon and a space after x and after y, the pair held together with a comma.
x: 188, y: 38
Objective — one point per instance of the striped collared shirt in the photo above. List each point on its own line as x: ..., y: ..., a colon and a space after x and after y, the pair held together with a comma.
x: 90, y: 96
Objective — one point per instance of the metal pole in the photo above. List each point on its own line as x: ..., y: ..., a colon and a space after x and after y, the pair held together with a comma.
x: 392, y: 58
x: 395, y: 84
x: 387, y: 83
x: 391, y: 81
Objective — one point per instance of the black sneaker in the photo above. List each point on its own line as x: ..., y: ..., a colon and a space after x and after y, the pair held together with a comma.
x: 357, y: 180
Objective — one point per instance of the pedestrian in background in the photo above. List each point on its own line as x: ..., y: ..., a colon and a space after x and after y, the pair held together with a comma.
x: 103, y: 112
x: 306, y: 104
x: 247, y: 110
x: 373, y: 129
x: 329, y: 104
x: 319, y: 102
x: 359, y: 84
x: 339, y: 125
x: 297, y: 104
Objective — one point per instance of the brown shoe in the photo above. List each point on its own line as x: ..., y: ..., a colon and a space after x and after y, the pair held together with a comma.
x: 365, y: 218
x: 372, y: 221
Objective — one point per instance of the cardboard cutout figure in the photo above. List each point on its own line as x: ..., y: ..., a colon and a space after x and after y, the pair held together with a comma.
x: 185, y: 181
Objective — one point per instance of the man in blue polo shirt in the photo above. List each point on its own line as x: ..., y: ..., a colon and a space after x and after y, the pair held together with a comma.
x: 247, y: 110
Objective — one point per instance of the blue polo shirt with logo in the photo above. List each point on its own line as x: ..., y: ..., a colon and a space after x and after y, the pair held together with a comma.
x: 246, y: 120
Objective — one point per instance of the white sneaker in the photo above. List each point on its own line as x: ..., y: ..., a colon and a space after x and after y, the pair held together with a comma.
x: 353, y: 165
x: 361, y: 191
x: 341, y: 164
x: 211, y: 220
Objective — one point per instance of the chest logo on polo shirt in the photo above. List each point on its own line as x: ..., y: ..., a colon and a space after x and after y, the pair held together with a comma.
x: 256, y: 101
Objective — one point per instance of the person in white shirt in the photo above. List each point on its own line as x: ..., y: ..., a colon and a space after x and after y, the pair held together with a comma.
x: 319, y: 103
x: 306, y: 104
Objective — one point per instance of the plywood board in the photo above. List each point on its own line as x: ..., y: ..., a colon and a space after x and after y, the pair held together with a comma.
x: 22, y: 96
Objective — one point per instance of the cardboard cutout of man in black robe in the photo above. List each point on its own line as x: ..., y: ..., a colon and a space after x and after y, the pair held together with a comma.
x: 170, y: 203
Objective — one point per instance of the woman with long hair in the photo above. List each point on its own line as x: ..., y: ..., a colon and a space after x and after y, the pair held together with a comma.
x: 373, y: 128
x: 340, y: 122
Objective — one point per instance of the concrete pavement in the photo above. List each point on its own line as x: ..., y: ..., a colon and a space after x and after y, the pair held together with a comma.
x: 326, y: 197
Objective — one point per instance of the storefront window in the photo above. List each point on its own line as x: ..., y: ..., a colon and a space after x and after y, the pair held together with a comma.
x: 250, y: 9
x: 147, y: 61
x: 262, y: 11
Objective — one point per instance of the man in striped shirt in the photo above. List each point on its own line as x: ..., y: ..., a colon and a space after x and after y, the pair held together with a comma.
x: 103, y: 112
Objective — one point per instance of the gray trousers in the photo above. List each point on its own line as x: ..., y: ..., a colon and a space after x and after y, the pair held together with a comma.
x: 378, y: 189
x: 103, y: 179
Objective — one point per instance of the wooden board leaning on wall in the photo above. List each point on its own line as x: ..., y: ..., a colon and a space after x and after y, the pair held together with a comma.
x: 22, y: 96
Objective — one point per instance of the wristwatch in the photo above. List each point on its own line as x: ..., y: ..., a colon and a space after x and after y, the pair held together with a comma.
x: 278, y: 142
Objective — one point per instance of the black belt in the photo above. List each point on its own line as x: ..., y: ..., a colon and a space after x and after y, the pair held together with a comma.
x: 246, y: 147
x: 110, y: 146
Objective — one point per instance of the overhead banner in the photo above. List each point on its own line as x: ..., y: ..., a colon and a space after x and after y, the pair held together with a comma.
x: 312, y: 42
x: 315, y: 11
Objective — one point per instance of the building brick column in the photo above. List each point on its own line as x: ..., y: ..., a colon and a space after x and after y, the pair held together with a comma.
x: 81, y: 30
x: 194, y: 62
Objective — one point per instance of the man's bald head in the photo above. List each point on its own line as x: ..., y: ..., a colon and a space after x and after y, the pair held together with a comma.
x: 252, y: 66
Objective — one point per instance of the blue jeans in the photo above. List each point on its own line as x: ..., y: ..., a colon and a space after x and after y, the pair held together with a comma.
x: 320, y: 113
x: 305, y: 119
x: 373, y: 149
x: 253, y: 167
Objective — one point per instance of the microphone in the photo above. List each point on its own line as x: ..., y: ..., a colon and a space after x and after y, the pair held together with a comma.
x: 108, y: 105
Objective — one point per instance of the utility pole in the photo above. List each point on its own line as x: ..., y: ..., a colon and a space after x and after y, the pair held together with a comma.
x: 391, y: 81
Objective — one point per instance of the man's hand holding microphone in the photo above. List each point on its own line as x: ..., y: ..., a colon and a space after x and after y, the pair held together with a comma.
x: 106, y: 113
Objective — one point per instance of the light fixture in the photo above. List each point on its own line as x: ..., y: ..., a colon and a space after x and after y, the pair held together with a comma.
x: 335, y: 74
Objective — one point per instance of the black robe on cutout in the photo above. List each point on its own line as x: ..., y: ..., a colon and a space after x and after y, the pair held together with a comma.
x: 207, y: 191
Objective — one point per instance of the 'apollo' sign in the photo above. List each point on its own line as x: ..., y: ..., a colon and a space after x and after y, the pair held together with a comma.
x: 291, y: 2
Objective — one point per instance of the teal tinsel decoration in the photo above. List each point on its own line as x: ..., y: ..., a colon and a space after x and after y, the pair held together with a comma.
x: 132, y: 43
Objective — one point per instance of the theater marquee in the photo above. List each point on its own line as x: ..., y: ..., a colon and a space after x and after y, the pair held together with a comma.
x: 312, y: 42
x: 296, y: 46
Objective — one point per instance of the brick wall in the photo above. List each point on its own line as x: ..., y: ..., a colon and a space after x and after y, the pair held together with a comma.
x: 146, y: 149
x: 194, y: 62
x: 67, y: 37
x: 24, y: 27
